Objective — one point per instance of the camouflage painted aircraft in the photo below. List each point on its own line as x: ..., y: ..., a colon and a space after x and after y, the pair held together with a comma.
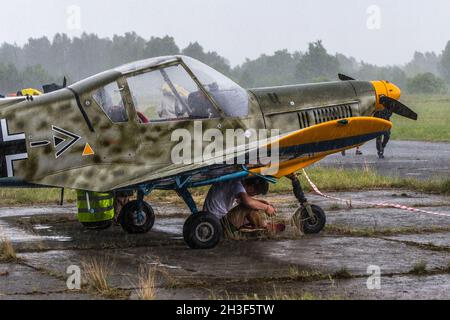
x: 113, y: 132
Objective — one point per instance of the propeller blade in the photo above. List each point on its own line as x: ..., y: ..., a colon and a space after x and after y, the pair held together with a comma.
x: 343, y: 77
x: 398, y: 108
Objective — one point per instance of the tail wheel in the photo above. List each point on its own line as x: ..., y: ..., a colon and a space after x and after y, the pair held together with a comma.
x: 315, y: 224
x: 135, y: 221
x: 202, y: 231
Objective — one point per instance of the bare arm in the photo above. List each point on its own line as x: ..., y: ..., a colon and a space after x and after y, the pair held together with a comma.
x: 256, y: 204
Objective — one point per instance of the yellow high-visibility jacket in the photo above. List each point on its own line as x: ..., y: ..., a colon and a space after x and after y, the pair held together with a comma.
x: 94, y: 206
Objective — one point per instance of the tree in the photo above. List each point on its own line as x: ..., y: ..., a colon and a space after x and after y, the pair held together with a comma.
x: 35, y: 77
x: 212, y: 58
x: 423, y: 63
x: 444, y: 64
x: 426, y: 83
x: 274, y: 70
x: 317, y: 63
x: 10, y: 80
x: 161, y: 47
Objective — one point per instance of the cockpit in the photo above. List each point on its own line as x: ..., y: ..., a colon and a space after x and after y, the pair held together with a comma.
x: 172, y: 89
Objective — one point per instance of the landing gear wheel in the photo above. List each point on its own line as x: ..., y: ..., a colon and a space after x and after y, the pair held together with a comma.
x: 102, y: 225
x: 136, y: 221
x: 313, y: 225
x: 202, y: 231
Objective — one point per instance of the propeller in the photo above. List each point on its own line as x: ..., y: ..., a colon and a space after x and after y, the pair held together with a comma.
x: 387, y: 95
x: 343, y: 77
x: 397, y: 107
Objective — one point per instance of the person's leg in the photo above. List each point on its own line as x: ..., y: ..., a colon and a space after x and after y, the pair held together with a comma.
x: 380, y: 148
x: 256, y: 219
x: 379, y: 144
x: 238, y: 216
x: 386, y: 139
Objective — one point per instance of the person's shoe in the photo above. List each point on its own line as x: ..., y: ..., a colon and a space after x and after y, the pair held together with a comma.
x: 276, y: 227
x: 381, y: 156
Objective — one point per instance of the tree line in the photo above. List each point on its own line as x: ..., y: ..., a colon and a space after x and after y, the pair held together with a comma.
x: 41, y: 61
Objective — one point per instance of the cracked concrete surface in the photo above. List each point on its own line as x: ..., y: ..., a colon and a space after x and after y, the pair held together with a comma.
x: 331, y: 265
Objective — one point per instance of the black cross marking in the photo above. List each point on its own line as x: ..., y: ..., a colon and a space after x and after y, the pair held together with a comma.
x: 12, y: 148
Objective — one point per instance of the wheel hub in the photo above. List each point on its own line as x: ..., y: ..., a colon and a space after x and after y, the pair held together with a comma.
x: 204, y: 232
x: 139, y: 218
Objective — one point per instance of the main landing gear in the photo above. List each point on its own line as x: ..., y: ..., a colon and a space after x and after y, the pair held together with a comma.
x: 137, y: 216
x: 202, y: 230
x: 311, y: 219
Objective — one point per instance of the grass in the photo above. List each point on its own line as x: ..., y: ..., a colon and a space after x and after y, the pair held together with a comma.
x: 7, y: 252
x: 328, y: 180
x: 419, y: 268
x: 97, y: 271
x: 36, y: 196
x: 371, y: 232
x: 147, y: 284
x: 339, y: 179
x: 342, y: 273
x: 278, y: 295
x: 433, y: 123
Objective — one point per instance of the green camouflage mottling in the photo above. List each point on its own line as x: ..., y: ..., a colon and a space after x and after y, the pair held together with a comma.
x: 131, y: 153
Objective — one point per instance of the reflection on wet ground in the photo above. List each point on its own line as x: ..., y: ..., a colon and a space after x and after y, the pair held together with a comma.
x: 50, y: 239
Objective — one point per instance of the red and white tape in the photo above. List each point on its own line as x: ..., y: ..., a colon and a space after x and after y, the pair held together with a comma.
x: 382, y: 205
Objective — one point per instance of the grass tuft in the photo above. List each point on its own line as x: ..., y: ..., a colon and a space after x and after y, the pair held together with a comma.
x: 419, y: 268
x: 7, y: 252
x: 342, y: 273
x: 147, y: 283
x: 97, y: 272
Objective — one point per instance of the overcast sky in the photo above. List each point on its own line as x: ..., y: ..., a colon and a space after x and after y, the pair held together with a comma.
x: 376, y: 31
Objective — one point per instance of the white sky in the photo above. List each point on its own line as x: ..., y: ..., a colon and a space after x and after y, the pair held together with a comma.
x: 238, y: 29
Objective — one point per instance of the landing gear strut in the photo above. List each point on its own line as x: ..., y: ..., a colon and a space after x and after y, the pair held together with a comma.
x: 311, y: 219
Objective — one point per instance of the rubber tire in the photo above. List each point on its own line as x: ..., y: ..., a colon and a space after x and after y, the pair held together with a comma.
x: 126, y: 219
x: 319, y: 225
x: 101, y: 225
x: 190, y: 231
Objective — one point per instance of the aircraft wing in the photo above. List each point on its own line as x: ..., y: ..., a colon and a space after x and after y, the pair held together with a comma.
x: 296, y: 150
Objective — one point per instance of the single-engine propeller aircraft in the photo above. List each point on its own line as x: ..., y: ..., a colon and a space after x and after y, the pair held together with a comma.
x: 113, y: 132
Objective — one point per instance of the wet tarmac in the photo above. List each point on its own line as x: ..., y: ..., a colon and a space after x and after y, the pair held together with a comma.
x: 411, y: 250
x: 421, y: 160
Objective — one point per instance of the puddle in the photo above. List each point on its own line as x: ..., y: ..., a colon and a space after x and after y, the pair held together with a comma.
x: 27, y: 211
x: 173, y: 226
x: 19, y: 235
x: 41, y: 227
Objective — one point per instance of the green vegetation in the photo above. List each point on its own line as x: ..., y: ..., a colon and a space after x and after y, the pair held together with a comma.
x: 7, y: 252
x: 419, y: 268
x: 342, y: 273
x: 328, y: 179
x: 372, y: 232
x: 337, y: 179
x: 433, y: 123
x: 426, y: 83
x: 42, y: 59
x: 34, y: 196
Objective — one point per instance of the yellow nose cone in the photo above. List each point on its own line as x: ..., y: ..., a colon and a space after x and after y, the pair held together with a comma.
x: 385, y: 88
